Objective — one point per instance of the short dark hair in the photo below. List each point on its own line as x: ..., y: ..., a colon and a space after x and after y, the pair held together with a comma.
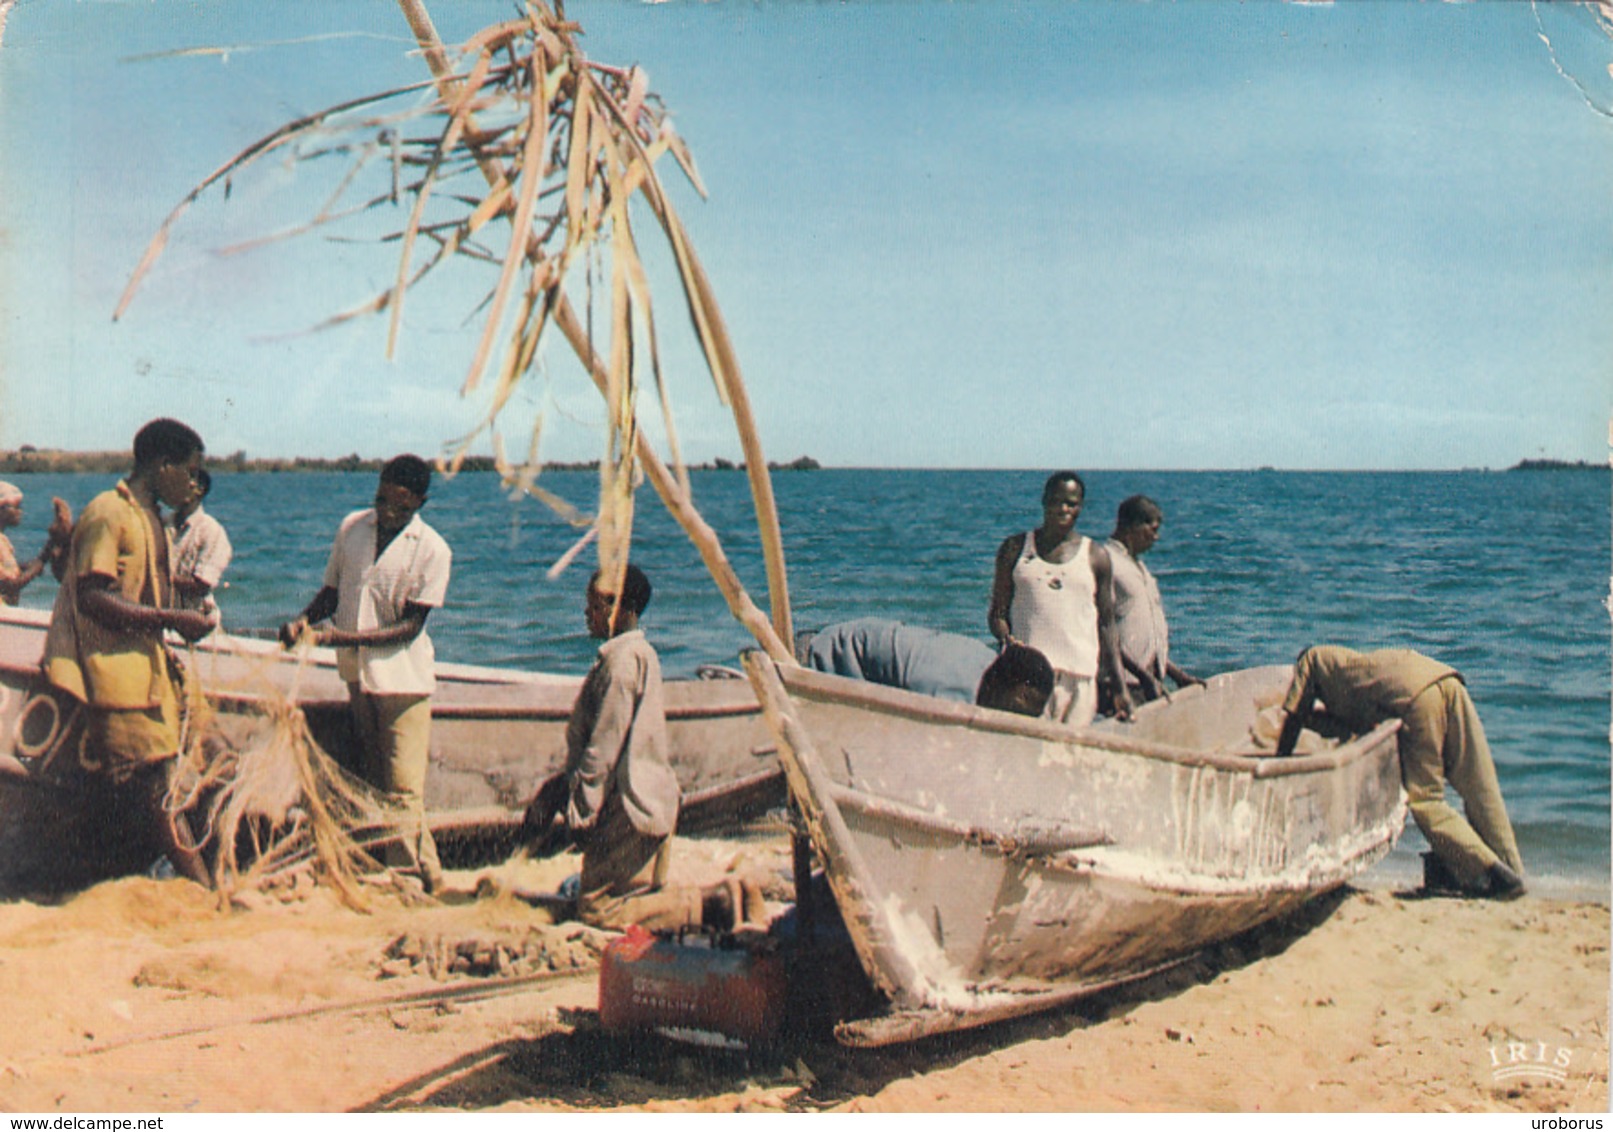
x: 165, y: 441
x: 1137, y: 511
x: 636, y: 590
x: 1018, y: 666
x: 204, y: 481
x: 408, y: 471
x: 1057, y: 478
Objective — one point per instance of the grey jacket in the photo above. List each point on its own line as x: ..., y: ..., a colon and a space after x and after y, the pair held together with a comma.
x: 616, y: 741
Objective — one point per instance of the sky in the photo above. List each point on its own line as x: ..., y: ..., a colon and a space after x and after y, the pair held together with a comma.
x: 1195, y: 235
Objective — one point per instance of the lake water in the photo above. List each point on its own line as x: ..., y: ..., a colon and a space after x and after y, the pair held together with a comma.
x: 1504, y: 575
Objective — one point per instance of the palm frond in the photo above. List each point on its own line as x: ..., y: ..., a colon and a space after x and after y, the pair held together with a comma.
x: 563, y: 144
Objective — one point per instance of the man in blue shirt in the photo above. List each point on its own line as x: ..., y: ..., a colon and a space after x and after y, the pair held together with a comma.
x: 948, y: 666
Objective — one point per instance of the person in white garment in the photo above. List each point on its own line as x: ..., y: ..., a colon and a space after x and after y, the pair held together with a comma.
x: 387, y: 571
x: 15, y: 576
x: 202, y: 550
x: 1142, y: 632
x: 1053, y: 591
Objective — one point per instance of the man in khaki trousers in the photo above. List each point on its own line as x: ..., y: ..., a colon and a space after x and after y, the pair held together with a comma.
x: 387, y: 571
x: 1441, y: 740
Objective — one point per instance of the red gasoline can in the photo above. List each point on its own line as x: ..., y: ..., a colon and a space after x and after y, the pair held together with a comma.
x: 651, y: 983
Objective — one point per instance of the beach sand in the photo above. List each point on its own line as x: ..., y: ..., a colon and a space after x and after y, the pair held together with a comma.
x: 141, y: 995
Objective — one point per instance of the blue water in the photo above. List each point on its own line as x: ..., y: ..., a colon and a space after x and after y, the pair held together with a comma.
x: 1503, y: 575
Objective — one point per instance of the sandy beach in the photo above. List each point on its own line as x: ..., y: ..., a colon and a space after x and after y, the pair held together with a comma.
x: 143, y: 995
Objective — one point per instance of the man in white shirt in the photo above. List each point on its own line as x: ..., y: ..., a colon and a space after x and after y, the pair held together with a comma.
x: 202, y: 551
x: 387, y: 571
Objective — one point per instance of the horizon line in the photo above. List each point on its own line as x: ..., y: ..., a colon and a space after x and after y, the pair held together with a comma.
x: 235, y: 463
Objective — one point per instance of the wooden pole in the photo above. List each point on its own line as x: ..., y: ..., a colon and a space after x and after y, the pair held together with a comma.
x: 682, y: 508
x: 761, y: 482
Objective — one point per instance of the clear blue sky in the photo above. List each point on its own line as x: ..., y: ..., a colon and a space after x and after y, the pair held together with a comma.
x: 1099, y: 235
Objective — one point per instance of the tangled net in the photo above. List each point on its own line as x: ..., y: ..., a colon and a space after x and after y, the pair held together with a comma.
x: 266, y: 801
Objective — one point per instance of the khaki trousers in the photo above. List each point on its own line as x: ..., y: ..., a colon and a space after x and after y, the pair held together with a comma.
x: 624, y: 878
x: 1442, y: 740
x: 394, y: 733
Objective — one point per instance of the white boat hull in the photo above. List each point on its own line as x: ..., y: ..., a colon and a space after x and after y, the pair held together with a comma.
x: 986, y: 864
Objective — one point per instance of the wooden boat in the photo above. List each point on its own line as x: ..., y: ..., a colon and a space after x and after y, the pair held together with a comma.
x: 987, y: 865
x: 496, y: 734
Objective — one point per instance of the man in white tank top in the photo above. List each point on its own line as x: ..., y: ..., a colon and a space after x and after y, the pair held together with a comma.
x: 1054, y: 591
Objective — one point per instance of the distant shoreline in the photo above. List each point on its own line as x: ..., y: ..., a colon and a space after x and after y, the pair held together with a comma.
x: 28, y: 460
x: 1557, y: 466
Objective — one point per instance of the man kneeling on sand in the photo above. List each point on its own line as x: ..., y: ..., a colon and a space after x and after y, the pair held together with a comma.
x: 617, y: 797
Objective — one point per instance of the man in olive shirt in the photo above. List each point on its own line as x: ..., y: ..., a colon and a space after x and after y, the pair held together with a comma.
x: 1441, y: 740
x: 105, y: 647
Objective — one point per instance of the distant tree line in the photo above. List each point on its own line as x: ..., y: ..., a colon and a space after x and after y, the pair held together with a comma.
x: 1557, y: 465
x: 30, y: 459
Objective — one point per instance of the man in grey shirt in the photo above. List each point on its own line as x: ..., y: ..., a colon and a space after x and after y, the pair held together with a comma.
x: 618, y: 794
x: 1139, y: 611
x: 881, y: 651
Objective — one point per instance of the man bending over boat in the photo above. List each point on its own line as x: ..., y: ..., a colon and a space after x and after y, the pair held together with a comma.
x: 387, y: 571
x: 104, y: 647
x: 948, y: 666
x: 1441, y: 740
x: 1141, y: 631
x: 617, y: 796
x: 1054, y: 591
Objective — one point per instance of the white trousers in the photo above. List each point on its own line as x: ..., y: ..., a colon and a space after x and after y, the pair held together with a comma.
x: 1074, y: 699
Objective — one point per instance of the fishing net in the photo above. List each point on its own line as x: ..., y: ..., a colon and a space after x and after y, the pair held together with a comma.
x: 264, y: 800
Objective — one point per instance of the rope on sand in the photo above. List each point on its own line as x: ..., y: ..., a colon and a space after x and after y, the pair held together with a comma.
x: 468, y: 991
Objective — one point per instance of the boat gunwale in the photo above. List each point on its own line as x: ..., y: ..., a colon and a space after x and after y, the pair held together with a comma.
x: 448, y: 672
x: 496, y: 712
x: 927, y: 709
x: 224, y: 643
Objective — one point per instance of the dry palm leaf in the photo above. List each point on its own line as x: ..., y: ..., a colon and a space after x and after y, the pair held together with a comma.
x: 561, y: 146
